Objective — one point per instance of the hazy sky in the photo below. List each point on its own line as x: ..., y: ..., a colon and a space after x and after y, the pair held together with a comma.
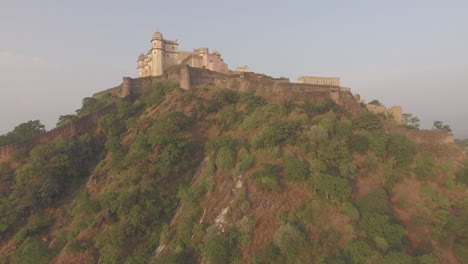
x: 412, y: 53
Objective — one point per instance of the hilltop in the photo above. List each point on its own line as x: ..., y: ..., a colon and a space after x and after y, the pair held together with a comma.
x: 195, y: 166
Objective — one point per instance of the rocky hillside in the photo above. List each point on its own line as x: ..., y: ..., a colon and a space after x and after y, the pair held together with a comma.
x: 219, y: 176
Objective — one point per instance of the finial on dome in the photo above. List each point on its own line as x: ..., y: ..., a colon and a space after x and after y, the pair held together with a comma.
x: 157, y: 35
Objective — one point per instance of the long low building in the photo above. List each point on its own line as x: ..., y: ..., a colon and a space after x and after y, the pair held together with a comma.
x: 332, y: 81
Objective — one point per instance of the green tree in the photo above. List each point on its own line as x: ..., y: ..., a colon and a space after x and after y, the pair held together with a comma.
x: 23, y: 132
x: 333, y: 187
x: 402, y: 149
x: 292, y: 244
x: 225, y: 158
x: 359, y: 252
x: 267, y: 178
x: 410, y: 121
x: 367, y: 121
x: 217, y: 250
x: 462, y: 173
x: 296, y: 170
x: 375, y: 102
x: 359, y: 143
x: 65, y: 120
x: 439, y: 125
x: 31, y: 251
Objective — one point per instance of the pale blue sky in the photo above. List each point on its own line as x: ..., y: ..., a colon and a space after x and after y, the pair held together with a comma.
x: 413, y: 53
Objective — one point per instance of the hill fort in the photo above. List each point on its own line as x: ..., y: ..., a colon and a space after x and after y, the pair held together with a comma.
x: 164, y: 61
x: 200, y: 68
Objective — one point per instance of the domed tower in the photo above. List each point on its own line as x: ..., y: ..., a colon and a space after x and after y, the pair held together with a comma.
x: 216, y: 53
x: 141, y: 65
x: 158, y: 54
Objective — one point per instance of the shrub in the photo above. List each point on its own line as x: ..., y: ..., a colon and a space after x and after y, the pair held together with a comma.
x: 359, y: 143
x: 225, y: 158
x: 156, y: 94
x: 267, y: 179
x: 31, y: 251
x: 268, y: 255
x: 359, y: 252
x: 217, y: 250
x: 462, y: 173
x: 185, y: 257
x: 378, y: 143
x: 296, y: 170
x: 111, y: 125
x: 402, y: 149
x: 313, y: 108
x: 397, y: 257
x: 173, y: 122
x: 277, y: 133
x: 367, y: 121
x: 333, y: 187
x: 215, y: 143
x: 378, y: 227
x: 246, y: 159
x: 251, y: 122
x: 227, y: 117
x: 292, y: 243
x: 343, y: 129
x: 350, y: 211
x: 424, y: 167
x: 36, y: 224
x: 226, y: 96
x: 251, y: 101
x: 375, y: 201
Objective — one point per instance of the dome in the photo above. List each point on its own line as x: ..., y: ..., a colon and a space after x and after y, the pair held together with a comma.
x: 157, y: 35
x: 141, y: 57
x: 215, y: 52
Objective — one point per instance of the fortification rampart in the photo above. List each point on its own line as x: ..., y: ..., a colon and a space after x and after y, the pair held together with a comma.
x: 431, y: 136
x: 274, y: 89
x: 76, y: 128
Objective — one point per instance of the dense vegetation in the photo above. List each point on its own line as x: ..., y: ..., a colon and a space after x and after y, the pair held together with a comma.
x: 179, y: 176
x: 22, y: 132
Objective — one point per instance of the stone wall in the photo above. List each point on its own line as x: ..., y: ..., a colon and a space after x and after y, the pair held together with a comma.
x: 394, y: 111
x: 76, y: 128
x: 274, y: 89
x: 431, y: 136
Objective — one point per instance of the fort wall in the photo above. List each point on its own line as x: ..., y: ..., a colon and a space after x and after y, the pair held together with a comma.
x: 274, y: 89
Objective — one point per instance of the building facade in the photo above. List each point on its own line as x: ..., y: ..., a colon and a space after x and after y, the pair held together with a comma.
x: 165, y: 53
x: 330, y: 81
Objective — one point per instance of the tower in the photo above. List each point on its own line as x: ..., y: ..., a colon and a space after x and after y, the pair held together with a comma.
x: 158, y: 54
x: 141, y: 65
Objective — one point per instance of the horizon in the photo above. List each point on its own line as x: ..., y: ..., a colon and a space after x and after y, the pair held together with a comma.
x: 397, y: 53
